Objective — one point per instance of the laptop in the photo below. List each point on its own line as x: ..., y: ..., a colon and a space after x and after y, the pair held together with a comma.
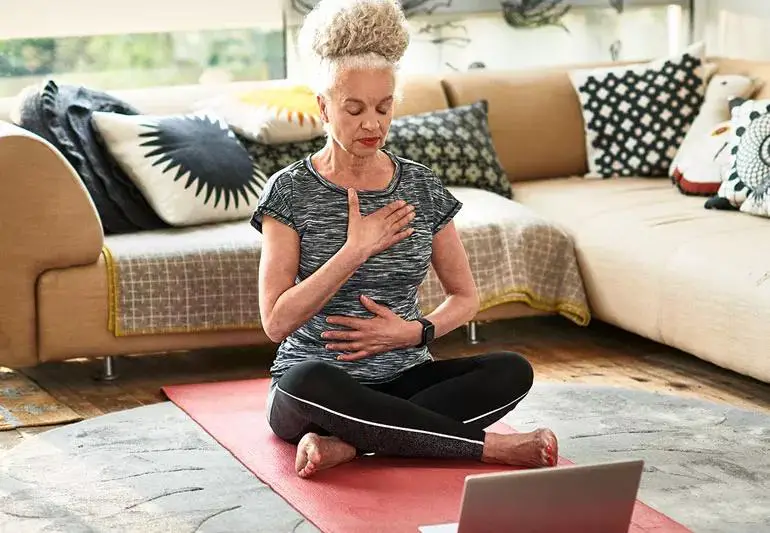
x: 595, y: 498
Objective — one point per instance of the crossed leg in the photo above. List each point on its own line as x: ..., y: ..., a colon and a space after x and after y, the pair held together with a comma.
x: 438, y: 409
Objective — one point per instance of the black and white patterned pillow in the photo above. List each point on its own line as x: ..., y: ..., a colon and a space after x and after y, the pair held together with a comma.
x: 748, y: 180
x: 636, y: 116
x: 455, y: 143
x: 191, y: 168
x: 270, y: 158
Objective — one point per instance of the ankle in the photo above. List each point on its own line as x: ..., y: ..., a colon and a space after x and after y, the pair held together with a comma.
x: 492, y: 451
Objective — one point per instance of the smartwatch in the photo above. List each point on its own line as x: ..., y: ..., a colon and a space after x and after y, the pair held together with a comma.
x: 428, y: 332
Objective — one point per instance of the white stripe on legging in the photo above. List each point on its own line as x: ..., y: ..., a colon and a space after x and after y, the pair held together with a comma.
x: 495, y: 410
x: 378, y: 424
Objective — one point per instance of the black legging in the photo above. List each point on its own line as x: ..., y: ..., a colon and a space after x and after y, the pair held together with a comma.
x: 437, y: 409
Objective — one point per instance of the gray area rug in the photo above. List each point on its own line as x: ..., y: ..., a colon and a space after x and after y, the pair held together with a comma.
x: 154, y: 469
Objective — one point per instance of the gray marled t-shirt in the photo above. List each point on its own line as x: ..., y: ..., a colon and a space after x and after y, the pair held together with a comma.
x: 318, y: 210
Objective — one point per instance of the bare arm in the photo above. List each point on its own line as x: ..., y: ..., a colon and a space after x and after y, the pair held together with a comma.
x: 450, y: 262
x: 285, y: 306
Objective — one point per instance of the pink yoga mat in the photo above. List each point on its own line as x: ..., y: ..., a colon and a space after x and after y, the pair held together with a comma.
x: 369, y: 494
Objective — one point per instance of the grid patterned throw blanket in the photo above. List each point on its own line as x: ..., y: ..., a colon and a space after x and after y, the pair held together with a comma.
x: 205, y: 278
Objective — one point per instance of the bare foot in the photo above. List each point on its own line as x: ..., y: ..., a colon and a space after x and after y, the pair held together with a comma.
x: 535, y: 449
x: 316, y: 453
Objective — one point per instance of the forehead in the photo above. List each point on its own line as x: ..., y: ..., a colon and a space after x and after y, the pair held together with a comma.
x: 366, y: 85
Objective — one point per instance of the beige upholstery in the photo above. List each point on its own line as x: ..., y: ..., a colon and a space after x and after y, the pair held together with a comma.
x: 535, y: 120
x: 73, y: 321
x: 48, y: 222
x: 657, y: 263
x: 653, y: 261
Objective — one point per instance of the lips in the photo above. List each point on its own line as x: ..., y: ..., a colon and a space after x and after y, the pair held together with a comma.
x: 369, y: 141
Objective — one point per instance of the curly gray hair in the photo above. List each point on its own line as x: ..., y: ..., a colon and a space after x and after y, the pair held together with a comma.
x: 352, y: 33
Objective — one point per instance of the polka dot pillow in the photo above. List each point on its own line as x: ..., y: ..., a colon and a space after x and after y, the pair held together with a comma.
x: 747, y: 187
x: 636, y: 116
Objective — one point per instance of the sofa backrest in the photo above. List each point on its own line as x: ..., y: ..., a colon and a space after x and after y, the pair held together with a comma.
x: 535, y: 117
x: 421, y: 94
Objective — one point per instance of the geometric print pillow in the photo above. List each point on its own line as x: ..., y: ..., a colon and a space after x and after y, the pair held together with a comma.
x: 455, y: 143
x: 270, y: 158
x: 748, y: 180
x: 636, y: 117
x: 191, y: 168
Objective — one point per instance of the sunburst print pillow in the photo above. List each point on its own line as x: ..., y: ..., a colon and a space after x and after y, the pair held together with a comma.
x: 191, y: 168
x: 270, y: 115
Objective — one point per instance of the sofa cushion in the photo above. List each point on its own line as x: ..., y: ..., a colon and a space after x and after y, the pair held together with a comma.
x: 534, y: 119
x: 191, y: 168
x: 455, y: 143
x: 270, y: 115
x: 636, y: 116
x: 702, y: 159
x: 656, y: 263
x: 205, y: 278
x: 747, y: 183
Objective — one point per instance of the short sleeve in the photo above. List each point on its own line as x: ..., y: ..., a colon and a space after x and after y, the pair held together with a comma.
x: 445, y: 205
x: 275, y: 202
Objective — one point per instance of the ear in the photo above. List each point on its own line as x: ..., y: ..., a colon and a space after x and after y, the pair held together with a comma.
x: 322, y: 107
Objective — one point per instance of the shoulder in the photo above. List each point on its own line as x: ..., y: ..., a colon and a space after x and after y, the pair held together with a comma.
x: 284, y: 181
x: 414, y: 169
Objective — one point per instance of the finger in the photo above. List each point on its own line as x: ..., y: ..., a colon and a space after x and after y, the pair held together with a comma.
x: 400, y: 236
x: 354, y: 356
x: 346, y: 321
x: 374, y: 307
x: 392, y: 207
x: 353, y: 206
x: 346, y: 347
x: 342, y: 335
x: 400, y: 223
x: 400, y: 213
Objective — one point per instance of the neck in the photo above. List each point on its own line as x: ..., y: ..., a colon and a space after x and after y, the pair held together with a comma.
x: 337, y: 160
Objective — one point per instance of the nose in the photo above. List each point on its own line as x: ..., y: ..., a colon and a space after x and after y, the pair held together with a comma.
x: 371, y: 123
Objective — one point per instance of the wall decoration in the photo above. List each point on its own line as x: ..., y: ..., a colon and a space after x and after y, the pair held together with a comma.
x: 529, y: 14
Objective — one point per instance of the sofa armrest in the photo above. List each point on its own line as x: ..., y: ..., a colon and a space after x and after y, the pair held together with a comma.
x: 47, y: 221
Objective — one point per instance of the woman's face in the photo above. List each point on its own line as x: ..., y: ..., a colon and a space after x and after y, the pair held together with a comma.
x: 360, y: 110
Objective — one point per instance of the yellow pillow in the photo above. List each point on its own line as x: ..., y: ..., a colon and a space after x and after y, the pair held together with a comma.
x: 270, y: 115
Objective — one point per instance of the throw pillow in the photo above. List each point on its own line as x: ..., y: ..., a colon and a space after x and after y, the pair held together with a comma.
x: 191, y: 168
x: 455, y: 143
x: 749, y: 175
x: 270, y: 115
x: 61, y: 114
x: 700, y: 159
x: 701, y: 168
x: 270, y: 158
x: 636, y: 116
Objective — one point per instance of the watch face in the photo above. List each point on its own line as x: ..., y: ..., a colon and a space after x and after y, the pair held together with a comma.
x: 429, y: 332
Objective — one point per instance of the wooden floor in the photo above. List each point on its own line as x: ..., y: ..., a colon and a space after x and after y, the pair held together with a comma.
x: 558, y: 349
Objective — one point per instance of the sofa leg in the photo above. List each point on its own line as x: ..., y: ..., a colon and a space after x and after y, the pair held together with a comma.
x: 472, y: 333
x: 108, y: 370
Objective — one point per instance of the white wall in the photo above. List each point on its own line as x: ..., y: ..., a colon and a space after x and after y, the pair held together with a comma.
x: 734, y: 28
x: 645, y: 32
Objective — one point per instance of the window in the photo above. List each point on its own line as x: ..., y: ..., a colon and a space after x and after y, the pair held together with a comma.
x: 108, y: 44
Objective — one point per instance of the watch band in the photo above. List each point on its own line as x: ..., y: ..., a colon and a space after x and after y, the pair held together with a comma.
x: 428, y: 332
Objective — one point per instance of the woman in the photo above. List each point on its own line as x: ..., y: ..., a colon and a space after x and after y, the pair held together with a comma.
x: 348, y: 236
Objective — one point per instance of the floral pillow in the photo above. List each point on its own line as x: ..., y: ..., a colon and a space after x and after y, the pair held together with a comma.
x: 455, y: 143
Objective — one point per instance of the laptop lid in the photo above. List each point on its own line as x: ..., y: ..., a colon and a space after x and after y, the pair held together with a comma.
x: 598, y: 498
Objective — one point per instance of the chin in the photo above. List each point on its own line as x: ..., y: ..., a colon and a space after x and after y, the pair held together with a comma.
x: 362, y: 150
